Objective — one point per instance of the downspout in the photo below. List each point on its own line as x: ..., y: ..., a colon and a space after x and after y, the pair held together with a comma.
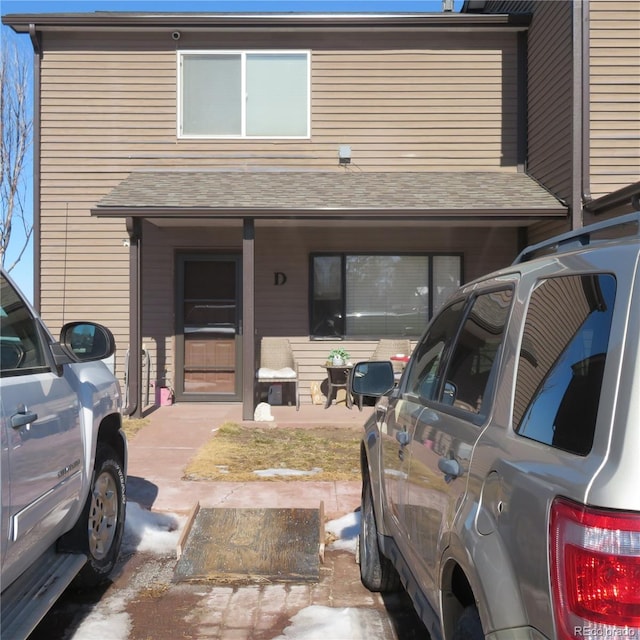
x: 585, y: 110
x: 578, y: 118
x: 37, y: 119
x: 134, y: 373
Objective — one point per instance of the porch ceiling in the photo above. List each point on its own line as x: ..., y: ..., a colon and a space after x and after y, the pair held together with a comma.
x: 347, y: 195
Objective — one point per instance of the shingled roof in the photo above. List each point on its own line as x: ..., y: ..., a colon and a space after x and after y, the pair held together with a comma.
x: 283, y: 194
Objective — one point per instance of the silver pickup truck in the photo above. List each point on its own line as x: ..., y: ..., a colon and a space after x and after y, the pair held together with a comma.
x: 62, y: 461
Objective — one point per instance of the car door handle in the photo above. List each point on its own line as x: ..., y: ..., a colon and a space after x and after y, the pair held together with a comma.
x: 22, y: 417
x: 450, y: 467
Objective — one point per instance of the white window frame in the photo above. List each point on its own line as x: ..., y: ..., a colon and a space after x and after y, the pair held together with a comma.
x: 243, y: 57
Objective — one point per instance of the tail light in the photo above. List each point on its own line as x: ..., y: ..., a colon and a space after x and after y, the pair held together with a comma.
x: 595, y: 571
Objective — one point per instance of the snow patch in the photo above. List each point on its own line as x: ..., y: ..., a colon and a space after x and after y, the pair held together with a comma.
x: 346, y: 529
x: 145, y: 530
x: 268, y: 473
x: 319, y: 623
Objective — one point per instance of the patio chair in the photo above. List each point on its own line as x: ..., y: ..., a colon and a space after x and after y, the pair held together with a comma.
x: 277, y: 364
x: 388, y: 347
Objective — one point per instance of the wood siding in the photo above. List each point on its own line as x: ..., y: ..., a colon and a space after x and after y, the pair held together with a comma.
x: 436, y: 107
x: 550, y: 99
x: 550, y: 102
x: 612, y: 92
x: 403, y: 102
x: 614, y: 69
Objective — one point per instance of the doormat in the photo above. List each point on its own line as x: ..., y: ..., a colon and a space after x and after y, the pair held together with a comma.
x: 252, y: 546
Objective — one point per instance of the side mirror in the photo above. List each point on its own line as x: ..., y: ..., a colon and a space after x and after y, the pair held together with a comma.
x: 449, y: 394
x: 87, y: 341
x: 372, y: 378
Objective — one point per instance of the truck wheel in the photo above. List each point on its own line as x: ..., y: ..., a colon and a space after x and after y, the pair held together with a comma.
x: 468, y: 626
x: 99, y: 530
x: 376, y: 571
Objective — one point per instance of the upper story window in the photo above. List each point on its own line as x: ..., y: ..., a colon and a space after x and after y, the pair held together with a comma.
x: 261, y: 94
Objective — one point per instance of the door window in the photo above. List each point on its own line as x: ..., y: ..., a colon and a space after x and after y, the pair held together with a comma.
x: 453, y: 362
x: 20, y: 345
x: 208, y: 323
x: 475, y: 351
x: 423, y: 378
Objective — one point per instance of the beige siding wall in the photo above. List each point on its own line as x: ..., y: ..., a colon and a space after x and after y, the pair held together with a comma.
x: 108, y: 107
x: 418, y: 105
x: 614, y: 68
x: 550, y: 96
x: 550, y: 99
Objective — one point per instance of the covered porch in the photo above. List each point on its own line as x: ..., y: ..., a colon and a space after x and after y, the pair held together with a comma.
x: 273, y: 222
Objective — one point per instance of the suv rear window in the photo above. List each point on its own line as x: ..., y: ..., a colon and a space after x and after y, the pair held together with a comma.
x: 562, y: 358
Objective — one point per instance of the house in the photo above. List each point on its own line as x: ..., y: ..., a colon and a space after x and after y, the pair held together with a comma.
x: 205, y: 180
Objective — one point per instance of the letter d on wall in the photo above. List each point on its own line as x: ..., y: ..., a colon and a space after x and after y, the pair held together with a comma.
x: 279, y: 278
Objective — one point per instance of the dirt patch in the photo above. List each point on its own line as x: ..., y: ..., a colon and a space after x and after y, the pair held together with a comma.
x: 131, y: 426
x: 238, y: 453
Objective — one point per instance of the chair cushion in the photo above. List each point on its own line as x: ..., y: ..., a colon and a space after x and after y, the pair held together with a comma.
x: 271, y: 374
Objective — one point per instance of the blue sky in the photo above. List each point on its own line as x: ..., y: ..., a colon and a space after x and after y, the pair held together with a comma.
x: 23, y: 272
x: 40, y: 6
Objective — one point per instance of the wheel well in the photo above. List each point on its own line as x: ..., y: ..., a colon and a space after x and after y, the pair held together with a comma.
x: 364, y: 462
x: 456, y: 595
x: 109, y: 433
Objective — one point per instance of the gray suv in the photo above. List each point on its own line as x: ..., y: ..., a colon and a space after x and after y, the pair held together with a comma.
x: 63, y: 461
x: 501, y: 475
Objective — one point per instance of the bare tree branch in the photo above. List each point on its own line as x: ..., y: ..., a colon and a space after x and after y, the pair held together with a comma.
x: 15, y: 139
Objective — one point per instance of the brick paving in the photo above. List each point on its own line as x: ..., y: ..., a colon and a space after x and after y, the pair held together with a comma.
x: 157, y: 456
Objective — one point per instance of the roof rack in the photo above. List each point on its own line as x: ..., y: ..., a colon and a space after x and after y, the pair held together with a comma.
x: 580, y: 237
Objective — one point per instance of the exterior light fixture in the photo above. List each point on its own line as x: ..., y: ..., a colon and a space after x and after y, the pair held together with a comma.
x: 344, y: 154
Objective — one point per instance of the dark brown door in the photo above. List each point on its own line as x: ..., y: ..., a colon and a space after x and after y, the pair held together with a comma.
x: 208, y: 327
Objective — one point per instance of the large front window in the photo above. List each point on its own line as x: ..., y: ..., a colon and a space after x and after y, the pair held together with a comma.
x: 379, y: 295
x: 240, y: 94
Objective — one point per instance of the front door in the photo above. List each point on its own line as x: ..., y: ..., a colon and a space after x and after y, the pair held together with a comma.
x: 208, y: 328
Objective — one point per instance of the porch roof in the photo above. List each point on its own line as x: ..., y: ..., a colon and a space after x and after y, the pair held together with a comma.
x: 330, y: 194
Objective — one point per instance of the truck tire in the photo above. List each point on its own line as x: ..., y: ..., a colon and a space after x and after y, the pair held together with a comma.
x: 100, y: 527
x: 376, y: 571
x: 468, y: 626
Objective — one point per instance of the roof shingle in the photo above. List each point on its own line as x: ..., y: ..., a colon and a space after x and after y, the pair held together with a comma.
x: 285, y: 193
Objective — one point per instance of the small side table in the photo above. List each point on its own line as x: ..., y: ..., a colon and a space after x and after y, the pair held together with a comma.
x: 338, y: 378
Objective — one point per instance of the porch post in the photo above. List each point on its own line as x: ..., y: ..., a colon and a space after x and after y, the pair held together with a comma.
x: 248, y: 328
x: 134, y: 372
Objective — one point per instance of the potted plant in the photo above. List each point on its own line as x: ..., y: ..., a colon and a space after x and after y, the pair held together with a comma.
x: 338, y: 357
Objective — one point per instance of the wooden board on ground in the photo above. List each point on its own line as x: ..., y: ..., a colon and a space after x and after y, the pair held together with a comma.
x: 252, y: 545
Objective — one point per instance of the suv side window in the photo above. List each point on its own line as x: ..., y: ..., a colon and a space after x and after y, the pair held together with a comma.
x: 423, y: 379
x: 560, y: 372
x: 475, y: 351
x: 20, y: 345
